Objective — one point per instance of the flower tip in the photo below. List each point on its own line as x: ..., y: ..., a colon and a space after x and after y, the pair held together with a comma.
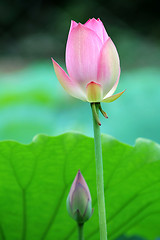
x: 88, y: 21
x: 104, y: 114
x: 52, y: 60
x: 123, y: 91
x: 73, y: 24
x: 99, y: 123
x: 79, y: 25
x: 94, y: 19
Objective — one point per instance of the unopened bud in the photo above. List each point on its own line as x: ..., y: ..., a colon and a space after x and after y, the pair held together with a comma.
x: 79, y: 203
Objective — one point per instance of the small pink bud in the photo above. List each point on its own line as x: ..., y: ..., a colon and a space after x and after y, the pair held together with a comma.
x: 79, y: 203
x: 92, y: 63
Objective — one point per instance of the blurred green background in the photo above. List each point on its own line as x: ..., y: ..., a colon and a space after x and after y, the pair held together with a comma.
x: 31, y: 98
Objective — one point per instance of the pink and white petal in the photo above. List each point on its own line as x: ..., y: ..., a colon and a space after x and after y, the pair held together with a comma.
x: 113, y: 97
x: 94, y: 92
x: 110, y: 93
x: 79, y: 180
x: 82, y: 53
x: 108, y: 66
x: 67, y: 83
x: 98, y: 28
x: 73, y: 25
x: 105, y: 35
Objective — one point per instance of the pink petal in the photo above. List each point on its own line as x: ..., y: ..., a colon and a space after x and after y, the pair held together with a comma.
x: 67, y: 83
x: 108, y: 66
x: 113, y: 97
x: 73, y: 25
x: 82, y: 52
x: 113, y: 89
x: 98, y: 28
x: 94, y: 92
x: 79, y: 179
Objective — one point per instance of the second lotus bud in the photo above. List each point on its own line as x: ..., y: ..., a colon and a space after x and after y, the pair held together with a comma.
x: 79, y: 203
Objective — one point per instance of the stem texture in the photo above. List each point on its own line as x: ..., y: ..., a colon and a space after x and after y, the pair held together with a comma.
x: 80, y: 232
x: 99, y: 174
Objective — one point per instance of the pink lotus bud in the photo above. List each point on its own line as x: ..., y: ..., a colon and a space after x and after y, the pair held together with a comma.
x: 79, y: 203
x: 92, y: 63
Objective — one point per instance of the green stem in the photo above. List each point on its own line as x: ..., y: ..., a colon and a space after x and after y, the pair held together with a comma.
x: 80, y: 231
x: 99, y: 173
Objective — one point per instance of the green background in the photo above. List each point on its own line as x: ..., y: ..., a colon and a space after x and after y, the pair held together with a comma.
x: 35, y: 181
x: 31, y: 98
x: 32, y: 101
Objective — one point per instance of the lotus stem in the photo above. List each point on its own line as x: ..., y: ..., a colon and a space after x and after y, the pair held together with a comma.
x: 99, y: 172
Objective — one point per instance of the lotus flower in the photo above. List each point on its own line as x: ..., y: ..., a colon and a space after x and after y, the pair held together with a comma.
x: 92, y: 63
x: 79, y: 203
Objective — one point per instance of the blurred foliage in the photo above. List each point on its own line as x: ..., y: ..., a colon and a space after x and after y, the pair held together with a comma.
x: 35, y: 181
x: 32, y: 101
x: 38, y: 29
